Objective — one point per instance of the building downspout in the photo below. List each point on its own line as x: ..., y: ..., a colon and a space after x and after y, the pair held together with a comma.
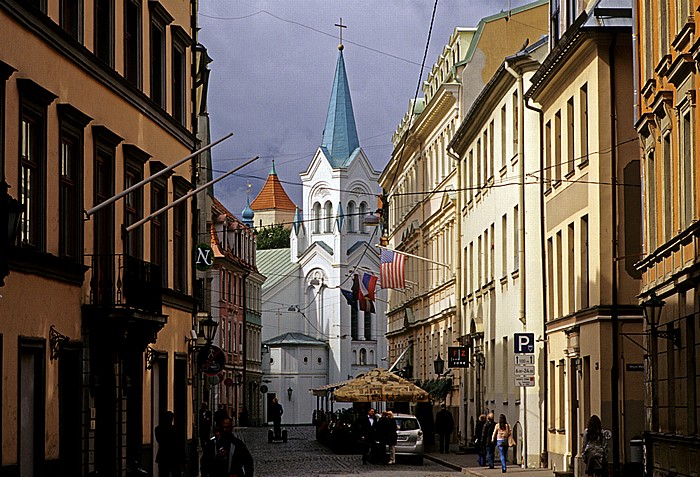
x: 545, y: 413
x: 635, y: 63
x: 615, y: 369
x: 521, y: 226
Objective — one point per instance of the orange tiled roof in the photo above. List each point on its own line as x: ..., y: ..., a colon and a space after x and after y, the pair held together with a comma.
x: 272, y: 196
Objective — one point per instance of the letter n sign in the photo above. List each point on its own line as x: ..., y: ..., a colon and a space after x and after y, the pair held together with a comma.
x: 204, y: 257
x: 524, y: 342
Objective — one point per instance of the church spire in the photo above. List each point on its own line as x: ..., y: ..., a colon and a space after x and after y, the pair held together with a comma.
x: 340, y: 134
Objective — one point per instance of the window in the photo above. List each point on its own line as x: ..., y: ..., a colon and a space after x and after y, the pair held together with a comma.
x: 570, y: 12
x: 71, y: 18
x: 317, y: 218
x: 470, y: 174
x: 516, y: 126
x: 667, y: 190
x: 548, y: 155
x: 368, y: 325
x: 32, y: 163
x: 504, y: 245
x: 648, y: 39
x: 557, y: 147
x: 134, y: 159
x: 180, y: 248
x: 104, y: 31
x: 559, y: 265
x: 550, y: 279
x: 585, y: 257
x: 487, y: 256
x: 663, y: 28
x: 159, y: 228
x: 488, y: 169
x: 492, y: 160
x: 554, y: 13
x: 471, y: 267
x: 571, y: 279
x: 363, y: 356
x: 31, y: 403
x: 328, y: 217
x: 352, y: 216
x: 479, y: 165
x: 516, y: 238
x: 651, y: 201
x: 480, y: 255
x: 160, y: 18
x: 583, y: 123
x: 132, y: 42
x: 561, y: 398
x: 179, y: 73
x: 503, y: 137
x: 570, y: 136
x: 687, y: 176
x: 492, y: 253
x: 70, y: 197
x: 363, y: 212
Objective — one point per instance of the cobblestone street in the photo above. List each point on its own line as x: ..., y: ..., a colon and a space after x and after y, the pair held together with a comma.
x: 302, y: 455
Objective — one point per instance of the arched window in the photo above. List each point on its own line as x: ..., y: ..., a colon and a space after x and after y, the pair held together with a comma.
x: 328, y: 216
x: 317, y: 218
x: 354, y: 356
x: 363, y: 356
x: 352, y: 216
x: 371, y: 357
x: 363, y: 212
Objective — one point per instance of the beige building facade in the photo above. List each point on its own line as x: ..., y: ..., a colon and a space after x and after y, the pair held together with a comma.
x: 591, y: 227
x: 95, y: 96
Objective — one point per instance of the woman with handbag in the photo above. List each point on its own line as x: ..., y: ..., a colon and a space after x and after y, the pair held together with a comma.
x: 502, y: 434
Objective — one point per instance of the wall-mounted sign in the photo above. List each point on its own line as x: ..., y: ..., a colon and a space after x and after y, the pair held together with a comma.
x: 457, y: 357
x: 204, y: 257
x: 635, y: 366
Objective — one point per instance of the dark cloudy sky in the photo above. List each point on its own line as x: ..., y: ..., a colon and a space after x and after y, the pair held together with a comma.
x: 273, y: 68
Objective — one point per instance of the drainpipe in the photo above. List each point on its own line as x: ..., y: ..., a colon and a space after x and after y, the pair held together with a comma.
x: 545, y: 413
x: 615, y: 369
x: 521, y: 226
x: 635, y: 62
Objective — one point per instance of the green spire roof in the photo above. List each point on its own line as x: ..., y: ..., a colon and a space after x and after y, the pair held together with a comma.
x: 340, y: 134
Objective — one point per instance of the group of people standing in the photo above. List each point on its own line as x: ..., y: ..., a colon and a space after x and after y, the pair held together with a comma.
x: 489, y: 436
x: 377, y: 436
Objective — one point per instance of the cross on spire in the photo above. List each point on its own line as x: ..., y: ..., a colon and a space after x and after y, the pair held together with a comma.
x: 340, y: 27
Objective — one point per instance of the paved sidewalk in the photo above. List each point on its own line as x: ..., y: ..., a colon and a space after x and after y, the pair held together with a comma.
x: 467, y: 464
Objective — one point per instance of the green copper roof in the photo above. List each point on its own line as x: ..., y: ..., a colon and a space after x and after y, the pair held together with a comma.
x: 340, y: 134
x: 273, y: 172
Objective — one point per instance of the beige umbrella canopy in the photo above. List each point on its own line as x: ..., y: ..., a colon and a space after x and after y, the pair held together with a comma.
x: 380, y: 385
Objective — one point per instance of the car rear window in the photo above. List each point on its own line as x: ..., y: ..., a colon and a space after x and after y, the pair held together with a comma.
x: 407, y: 424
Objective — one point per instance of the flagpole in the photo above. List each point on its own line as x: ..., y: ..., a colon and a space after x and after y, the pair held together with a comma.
x: 449, y: 267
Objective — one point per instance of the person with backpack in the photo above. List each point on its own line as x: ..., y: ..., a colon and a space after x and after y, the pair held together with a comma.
x: 595, y: 449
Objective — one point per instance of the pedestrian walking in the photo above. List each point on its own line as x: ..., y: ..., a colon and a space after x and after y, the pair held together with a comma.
x: 487, y: 438
x: 388, y: 434
x: 225, y: 455
x: 220, y: 414
x: 276, y: 412
x: 204, y: 424
x: 595, y: 449
x: 444, y: 425
x: 479, y: 443
x: 501, y: 435
x: 168, y: 457
x: 366, y: 428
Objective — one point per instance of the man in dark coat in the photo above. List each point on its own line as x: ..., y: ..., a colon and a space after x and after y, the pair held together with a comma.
x: 487, y: 439
x: 444, y: 425
x: 225, y: 455
x: 276, y: 412
x: 367, y: 426
x: 220, y: 414
x: 204, y: 424
x: 479, y: 441
x: 387, y: 434
x: 168, y: 457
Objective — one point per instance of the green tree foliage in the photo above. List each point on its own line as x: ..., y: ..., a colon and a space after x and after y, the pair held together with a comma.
x: 275, y: 236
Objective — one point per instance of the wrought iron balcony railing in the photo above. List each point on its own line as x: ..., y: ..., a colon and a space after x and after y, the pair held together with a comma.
x: 122, y: 281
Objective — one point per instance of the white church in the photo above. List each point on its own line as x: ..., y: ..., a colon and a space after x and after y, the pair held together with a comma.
x: 311, y: 336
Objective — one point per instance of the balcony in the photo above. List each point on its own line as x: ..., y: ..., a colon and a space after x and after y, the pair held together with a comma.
x: 124, y: 282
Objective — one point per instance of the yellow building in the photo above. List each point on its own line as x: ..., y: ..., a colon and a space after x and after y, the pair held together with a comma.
x: 95, y: 96
x: 591, y: 228
x: 422, y: 181
x: 666, y: 120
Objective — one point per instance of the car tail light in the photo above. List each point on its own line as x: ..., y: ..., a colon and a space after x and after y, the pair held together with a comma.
x: 420, y: 435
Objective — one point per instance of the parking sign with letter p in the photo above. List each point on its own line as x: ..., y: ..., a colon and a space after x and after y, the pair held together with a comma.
x: 524, y: 342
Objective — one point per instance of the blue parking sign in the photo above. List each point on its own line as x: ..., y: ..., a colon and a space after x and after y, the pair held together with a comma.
x: 524, y: 342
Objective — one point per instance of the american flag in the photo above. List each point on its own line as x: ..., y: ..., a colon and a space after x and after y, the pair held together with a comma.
x: 391, y: 270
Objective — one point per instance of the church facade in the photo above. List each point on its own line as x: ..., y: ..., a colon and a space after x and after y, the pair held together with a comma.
x: 311, y: 336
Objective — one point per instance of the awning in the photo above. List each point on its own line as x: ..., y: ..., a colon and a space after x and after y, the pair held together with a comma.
x: 323, y: 390
x: 380, y: 385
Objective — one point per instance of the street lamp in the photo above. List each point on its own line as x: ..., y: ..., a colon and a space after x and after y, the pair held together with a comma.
x: 439, y: 365
x: 652, y: 313
x: 289, y: 393
x: 10, y: 213
x: 207, y: 328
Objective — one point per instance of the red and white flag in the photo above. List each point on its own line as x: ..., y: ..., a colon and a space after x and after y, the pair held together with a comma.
x: 392, y: 270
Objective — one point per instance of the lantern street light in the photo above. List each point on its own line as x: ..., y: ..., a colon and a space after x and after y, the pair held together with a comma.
x: 207, y: 328
x: 652, y: 313
x: 439, y: 365
x: 289, y: 393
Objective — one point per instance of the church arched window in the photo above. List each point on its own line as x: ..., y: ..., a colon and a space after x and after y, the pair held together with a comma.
x: 328, y: 216
x: 363, y: 356
x: 352, y: 216
x: 363, y: 212
x: 354, y: 356
x: 317, y: 218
